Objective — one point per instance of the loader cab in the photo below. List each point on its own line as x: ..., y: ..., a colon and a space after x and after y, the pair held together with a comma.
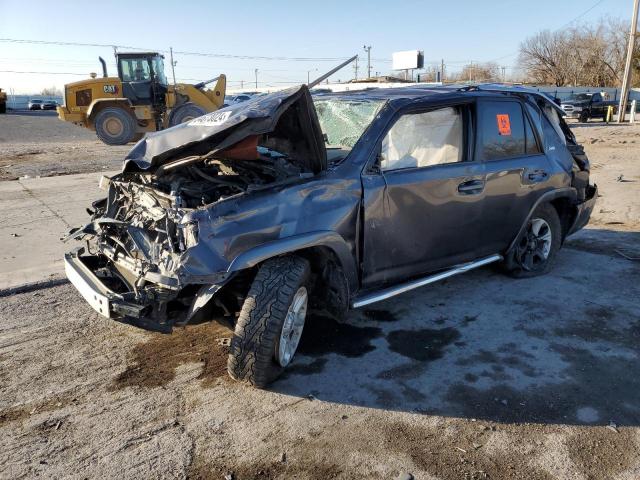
x: 142, y: 76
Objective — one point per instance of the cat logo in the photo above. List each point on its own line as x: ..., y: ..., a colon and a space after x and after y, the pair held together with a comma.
x: 110, y: 89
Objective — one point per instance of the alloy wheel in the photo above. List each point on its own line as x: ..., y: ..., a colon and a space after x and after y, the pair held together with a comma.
x: 292, y: 327
x: 535, y: 245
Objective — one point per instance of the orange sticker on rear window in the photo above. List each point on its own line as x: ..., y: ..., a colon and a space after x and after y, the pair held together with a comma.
x: 504, y: 125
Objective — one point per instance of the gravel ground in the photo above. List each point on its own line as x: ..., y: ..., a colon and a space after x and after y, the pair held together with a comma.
x: 477, y: 377
x: 38, y: 144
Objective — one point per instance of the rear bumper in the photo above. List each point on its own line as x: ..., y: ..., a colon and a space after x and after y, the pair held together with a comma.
x: 103, y: 300
x: 584, y: 209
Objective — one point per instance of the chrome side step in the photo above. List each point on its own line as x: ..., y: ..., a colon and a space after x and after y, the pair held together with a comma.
x: 405, y: 287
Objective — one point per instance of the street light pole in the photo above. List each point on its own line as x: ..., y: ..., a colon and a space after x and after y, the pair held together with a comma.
x: 626, y: 80
x: 368, y: 50
x: 256, y: 72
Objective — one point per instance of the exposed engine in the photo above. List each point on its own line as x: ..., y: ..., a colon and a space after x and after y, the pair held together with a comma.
x: 141, y: 229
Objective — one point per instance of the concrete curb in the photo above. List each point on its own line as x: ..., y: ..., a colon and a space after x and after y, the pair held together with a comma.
x: 32, y: 286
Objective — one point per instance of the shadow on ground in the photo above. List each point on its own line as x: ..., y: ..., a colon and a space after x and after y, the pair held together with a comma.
x: 563, y: 348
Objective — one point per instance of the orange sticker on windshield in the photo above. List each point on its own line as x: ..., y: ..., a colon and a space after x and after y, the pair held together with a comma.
x: 504, y: 125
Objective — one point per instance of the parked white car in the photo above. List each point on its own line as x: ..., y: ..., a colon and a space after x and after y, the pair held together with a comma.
x: 35, y: 104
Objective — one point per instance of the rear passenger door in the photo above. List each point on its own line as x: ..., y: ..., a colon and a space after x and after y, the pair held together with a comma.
x: 517, y: 171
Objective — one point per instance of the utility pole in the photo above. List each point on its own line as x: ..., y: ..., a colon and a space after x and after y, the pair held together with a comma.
x: 173, y: 64
x: 368, y: 50
x: 442, y: 71
x: 308, y: 72
x: 355, y: 67
x: 503, y: 74
x: 470, y: 70
x: 256, y: 72
x: 626, y: 80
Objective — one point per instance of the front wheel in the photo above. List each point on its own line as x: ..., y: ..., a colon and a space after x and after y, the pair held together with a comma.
x: 115, y: 126
x: 584, y: 117
x: 270, y: 324
x: 535, y: 250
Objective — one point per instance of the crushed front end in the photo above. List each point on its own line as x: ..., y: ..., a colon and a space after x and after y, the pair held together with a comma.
x: 130, y: 265
x: 142, y: 257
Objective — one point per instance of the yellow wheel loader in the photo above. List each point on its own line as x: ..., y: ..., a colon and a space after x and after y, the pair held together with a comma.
x: 122, y: 109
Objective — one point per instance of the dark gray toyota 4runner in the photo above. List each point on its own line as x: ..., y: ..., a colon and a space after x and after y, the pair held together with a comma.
x: 288, y: 202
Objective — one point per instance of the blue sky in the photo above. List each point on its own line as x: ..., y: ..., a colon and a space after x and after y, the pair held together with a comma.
x: 457, y: 31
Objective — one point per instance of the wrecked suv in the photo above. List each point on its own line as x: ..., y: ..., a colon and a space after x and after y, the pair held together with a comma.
x: 268, y: 208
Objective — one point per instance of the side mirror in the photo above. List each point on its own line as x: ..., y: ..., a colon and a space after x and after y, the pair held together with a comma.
x: 376, y: 168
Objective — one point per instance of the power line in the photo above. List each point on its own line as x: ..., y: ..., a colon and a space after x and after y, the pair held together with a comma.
x: 200, y: 54
x: 43, y: 73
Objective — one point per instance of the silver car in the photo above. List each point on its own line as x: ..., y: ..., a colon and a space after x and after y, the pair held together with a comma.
x: 35, y: 105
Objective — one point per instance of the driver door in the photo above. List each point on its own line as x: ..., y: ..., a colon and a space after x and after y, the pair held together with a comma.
x: 423, y: 197
x: 135, y: 74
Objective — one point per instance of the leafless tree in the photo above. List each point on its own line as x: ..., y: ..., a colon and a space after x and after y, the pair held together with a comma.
x: 582, y: 55
x: 51, y: 92
x: 479, y: 72
x: 544, y: 57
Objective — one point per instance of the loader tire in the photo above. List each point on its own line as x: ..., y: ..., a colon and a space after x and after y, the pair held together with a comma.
x: 115, y: 126
x: 260, y: 337
x: 184, y: 113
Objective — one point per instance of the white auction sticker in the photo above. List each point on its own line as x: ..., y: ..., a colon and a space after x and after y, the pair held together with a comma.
x: 211, y: 119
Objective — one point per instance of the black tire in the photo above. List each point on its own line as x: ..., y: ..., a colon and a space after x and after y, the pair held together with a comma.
x: 257, y: 332
x: 184, y: 113
x: 516, y: 263
x: 3, y: 108
x: 115, y: 126
x: 584, y: 117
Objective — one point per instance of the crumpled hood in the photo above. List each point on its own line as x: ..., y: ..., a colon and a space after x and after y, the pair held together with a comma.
x: 288, y: 117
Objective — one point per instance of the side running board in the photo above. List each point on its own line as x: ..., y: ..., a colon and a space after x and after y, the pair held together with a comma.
x: 405, y: 287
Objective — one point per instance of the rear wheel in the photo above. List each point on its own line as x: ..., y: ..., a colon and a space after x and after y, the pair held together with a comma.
x: 115, y: 126
x: 536, y: 248
x: 184, y: 113
x: 270, y: 324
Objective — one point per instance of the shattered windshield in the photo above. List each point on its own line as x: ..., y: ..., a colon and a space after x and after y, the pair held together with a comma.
x: 344, y: 121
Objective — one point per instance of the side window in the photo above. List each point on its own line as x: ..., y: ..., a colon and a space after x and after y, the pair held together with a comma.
x: 424, y: 139
x: 502, y: 131
x: 127, y: 76
x: 135, y: 70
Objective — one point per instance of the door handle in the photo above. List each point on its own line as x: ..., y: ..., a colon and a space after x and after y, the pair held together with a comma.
x: 471, y: 187
x: 537, y: 176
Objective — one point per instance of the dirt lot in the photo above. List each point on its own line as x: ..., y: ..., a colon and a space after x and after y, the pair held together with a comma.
x: 38, y: 144
x: 477, y: 377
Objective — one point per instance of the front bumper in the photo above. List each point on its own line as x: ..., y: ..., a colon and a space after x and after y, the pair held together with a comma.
x: 102, y: 299
x: 67, y: 116
x: 572, y: 112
